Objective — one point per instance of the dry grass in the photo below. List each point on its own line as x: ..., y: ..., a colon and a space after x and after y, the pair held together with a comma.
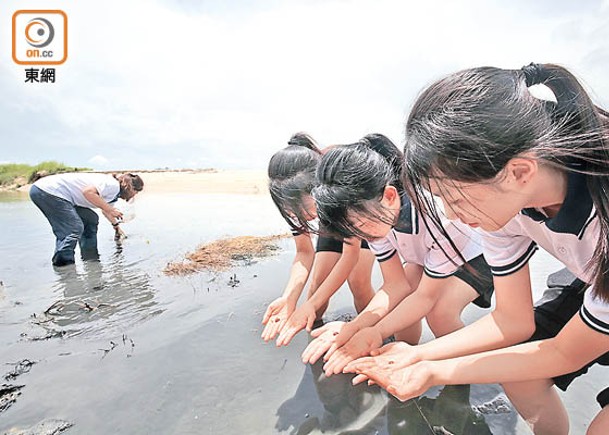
x: 222, y: 254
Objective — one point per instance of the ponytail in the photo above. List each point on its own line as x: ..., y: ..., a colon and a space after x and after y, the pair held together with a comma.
x: 394, y: 157
x: 583, y: 119
x: 305, y: 140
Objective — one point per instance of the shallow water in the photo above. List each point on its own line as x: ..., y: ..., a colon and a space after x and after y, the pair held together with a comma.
x: 120, y: 348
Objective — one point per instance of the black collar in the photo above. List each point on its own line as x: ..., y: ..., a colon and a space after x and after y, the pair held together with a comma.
x: 407, y: 219
x: 574, y: 211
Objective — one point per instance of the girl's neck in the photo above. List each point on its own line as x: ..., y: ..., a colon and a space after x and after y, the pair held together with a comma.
x: 551, y: 190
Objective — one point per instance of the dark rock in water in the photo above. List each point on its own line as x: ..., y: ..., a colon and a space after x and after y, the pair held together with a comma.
x: 46, y: 427
x: 21, y: 367
x: 8, y: 395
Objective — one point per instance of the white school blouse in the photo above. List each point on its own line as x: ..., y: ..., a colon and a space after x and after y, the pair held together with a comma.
x: 570, y: 236
x: 69, y: 187
x: 418, y: 243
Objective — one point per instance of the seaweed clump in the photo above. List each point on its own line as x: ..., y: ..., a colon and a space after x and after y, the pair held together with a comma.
x: 223, y: 254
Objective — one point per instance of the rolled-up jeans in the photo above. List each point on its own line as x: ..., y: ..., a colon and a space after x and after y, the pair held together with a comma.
x: 71, y: 224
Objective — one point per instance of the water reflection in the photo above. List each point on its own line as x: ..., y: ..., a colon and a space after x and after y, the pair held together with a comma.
x: 102, y: 299
x: 448, y: 413
x: 344, y: 409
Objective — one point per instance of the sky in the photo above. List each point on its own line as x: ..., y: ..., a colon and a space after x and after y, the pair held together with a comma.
x: 224, y: 84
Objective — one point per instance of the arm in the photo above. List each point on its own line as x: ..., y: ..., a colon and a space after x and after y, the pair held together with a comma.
x: 511, y: 322
x: 395, y: 288
x: 332, y: 276
x: 338, y: 275
x: 92, y: 195
x: 575, y: 346
x: 281, y: 308
x: 412, y: 308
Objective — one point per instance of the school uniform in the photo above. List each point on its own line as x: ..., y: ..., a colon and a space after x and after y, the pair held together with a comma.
x: 571, y: 236
x: 70, y: 214
x: 423, y: 244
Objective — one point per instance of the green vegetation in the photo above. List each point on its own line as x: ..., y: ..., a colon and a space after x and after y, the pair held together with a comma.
x: 17, y: 174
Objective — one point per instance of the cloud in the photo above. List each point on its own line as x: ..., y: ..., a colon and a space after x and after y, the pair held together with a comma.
x: 99, y: 161
x: 171, y: 83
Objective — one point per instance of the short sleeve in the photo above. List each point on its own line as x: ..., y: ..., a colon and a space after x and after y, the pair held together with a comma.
x: 108, y: 188
x: 442, y: 260
x: 507, y: 253
x: 383, y: 249
x: 595, y: 312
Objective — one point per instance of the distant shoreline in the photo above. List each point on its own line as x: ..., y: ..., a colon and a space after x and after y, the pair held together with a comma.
x: 249, y: 182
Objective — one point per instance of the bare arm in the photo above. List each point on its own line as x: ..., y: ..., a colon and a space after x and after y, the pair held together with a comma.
x: 394, y: 289
x: 92, y: 195
x: 339, y: 274
x: 575, y: 346
x: 282, y: 308
x: 301, y: 267
x: 511, y: 322
x: 412, y: 308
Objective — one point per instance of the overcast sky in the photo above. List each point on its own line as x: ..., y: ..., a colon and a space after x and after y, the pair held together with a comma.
x: 197, y: 84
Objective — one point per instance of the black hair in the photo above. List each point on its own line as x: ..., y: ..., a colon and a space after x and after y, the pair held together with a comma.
x: 352, y: 179
x: 469, y: 125
x: 292, y: 177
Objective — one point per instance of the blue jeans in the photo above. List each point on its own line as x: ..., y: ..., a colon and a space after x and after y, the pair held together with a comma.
x: 71, y: 224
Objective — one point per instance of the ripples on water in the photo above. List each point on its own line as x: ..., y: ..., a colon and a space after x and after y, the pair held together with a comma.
x: 118, y: 347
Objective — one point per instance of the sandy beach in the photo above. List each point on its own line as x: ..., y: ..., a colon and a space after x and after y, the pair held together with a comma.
x: 244, y: 182
x: 206, y: 181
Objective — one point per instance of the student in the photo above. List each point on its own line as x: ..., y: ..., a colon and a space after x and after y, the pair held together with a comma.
x: 67, y: 200
x: 360, y: 193
x: 528, y: 172
x: 291, y: 178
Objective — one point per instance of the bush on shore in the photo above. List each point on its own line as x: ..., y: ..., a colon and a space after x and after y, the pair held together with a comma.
x: 17, y: 174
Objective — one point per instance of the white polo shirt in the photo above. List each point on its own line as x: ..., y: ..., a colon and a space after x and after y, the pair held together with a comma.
x: 69, y: 186
x: 414, y: 242
x: 571, y: 236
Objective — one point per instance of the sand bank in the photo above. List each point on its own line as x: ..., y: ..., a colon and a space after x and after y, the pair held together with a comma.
x: 208, y: 181
x: 252, y: 182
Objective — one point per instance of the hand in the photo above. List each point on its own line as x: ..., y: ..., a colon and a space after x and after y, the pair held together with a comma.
x: 391, y: 356
x: 346, y: 332
x: 404, y: 383
x: 113, y: 214
x: 275, y: 317
x: 359, y: 345
x: 323, y: 339
x: 302, y: 318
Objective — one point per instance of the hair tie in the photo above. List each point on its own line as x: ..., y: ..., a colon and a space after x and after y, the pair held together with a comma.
x: 534, y: 74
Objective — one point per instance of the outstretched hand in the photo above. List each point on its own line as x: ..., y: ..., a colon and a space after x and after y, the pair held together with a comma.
x: 362, y: 342
x: 344, y: 335
x: 392, y: 356
x: 404, y: 383
x: 302, y: 318
x: 275, y: 317
x: 323, y: 338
